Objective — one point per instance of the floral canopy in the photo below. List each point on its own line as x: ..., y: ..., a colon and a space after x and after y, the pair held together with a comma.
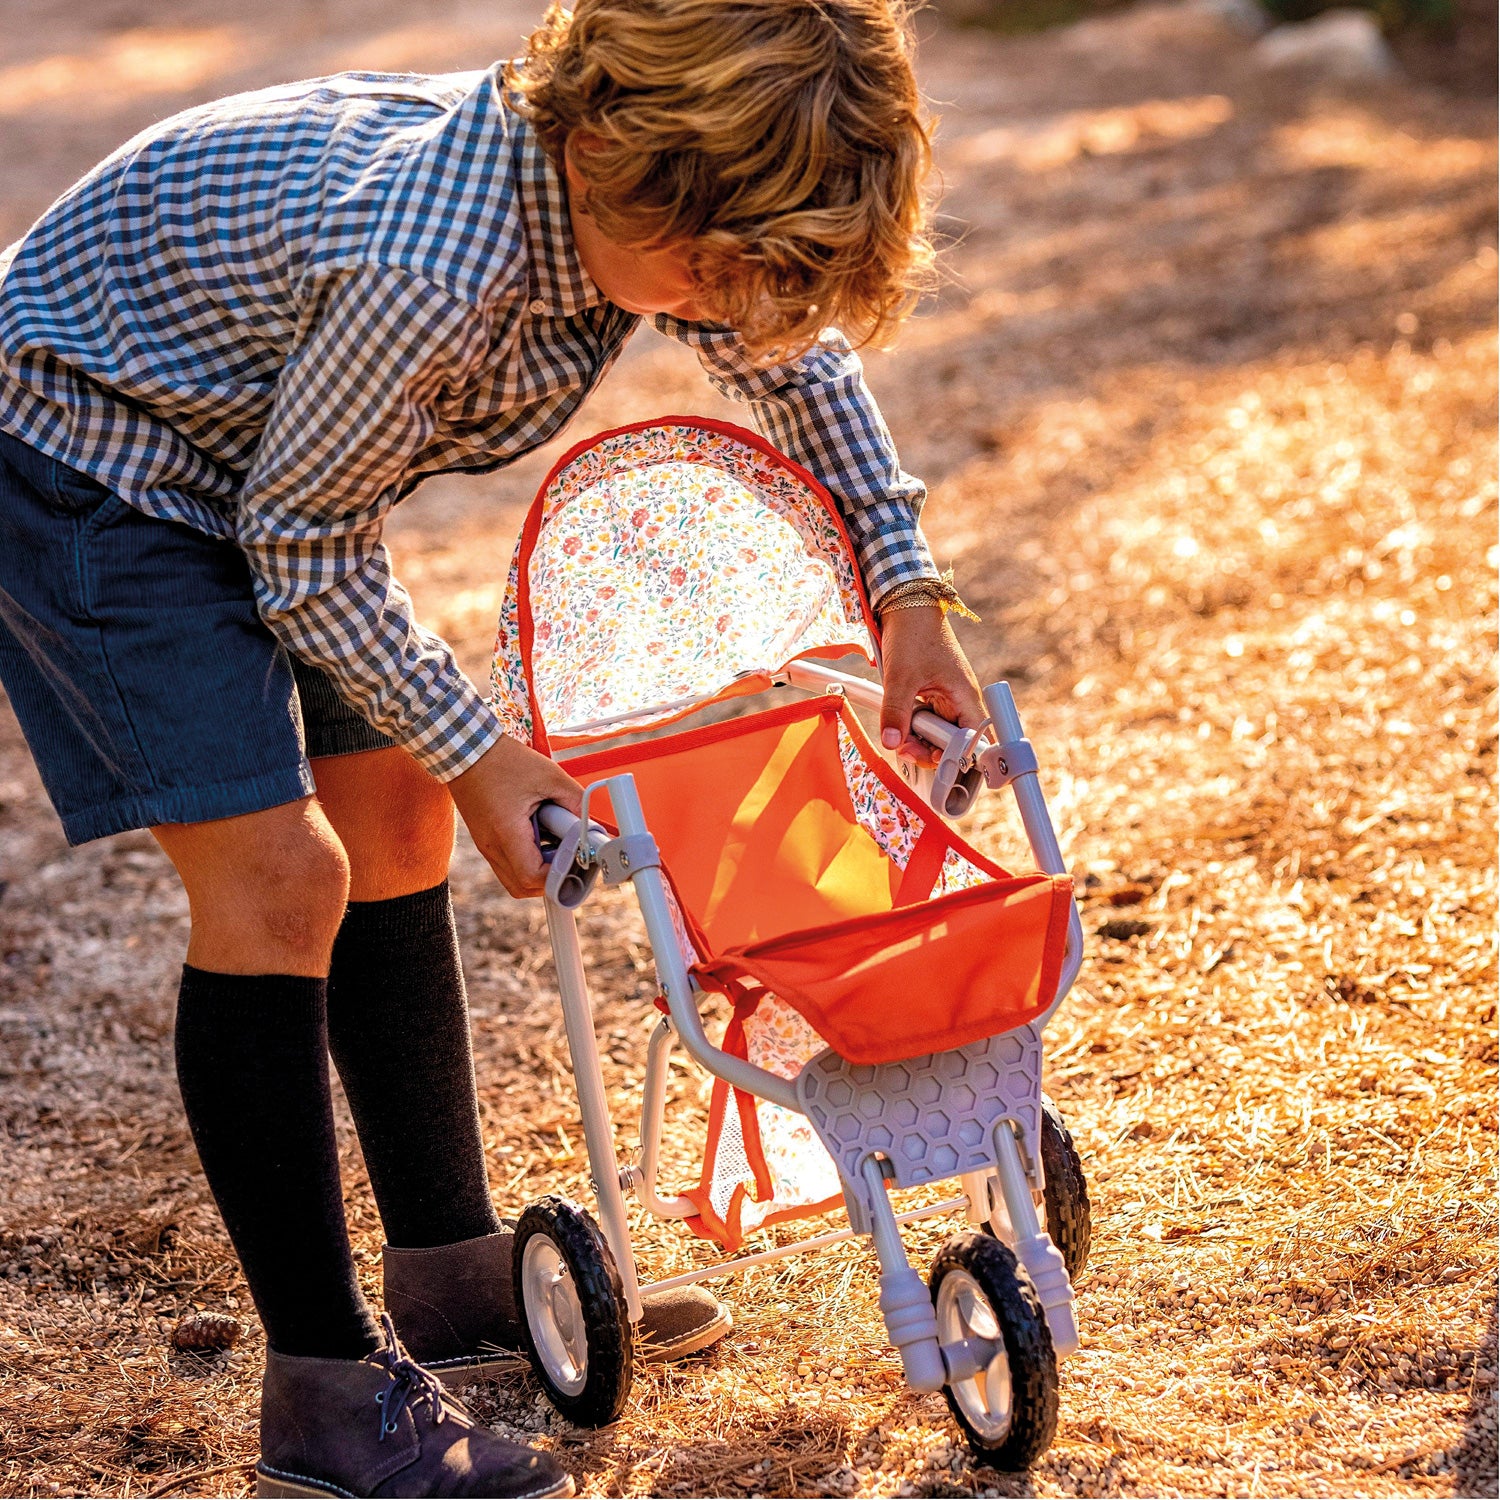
x: 663, y: 566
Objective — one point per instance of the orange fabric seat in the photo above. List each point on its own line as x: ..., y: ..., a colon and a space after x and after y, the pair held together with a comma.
x: 785, y: 889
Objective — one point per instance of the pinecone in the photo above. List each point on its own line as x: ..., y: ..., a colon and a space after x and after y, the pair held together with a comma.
x: 207, y: 1333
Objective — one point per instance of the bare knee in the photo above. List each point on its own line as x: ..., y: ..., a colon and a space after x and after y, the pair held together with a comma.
x: 267, y: 891
x: 296, y: 891
x: 393, y: 819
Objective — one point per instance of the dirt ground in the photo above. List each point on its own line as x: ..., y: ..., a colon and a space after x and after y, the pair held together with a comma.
x: 1208, y: 407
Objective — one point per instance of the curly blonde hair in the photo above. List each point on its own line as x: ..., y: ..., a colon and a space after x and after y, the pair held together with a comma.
x: 782, y: 142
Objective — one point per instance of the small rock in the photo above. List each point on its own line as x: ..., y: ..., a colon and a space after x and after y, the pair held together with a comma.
x: 1146, y: 33
x: 1344, y: 44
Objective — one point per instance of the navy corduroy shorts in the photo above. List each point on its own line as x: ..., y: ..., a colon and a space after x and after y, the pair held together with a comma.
x: 147, y: 687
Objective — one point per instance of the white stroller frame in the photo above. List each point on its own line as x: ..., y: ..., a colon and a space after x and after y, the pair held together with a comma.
x: 992, y: 1147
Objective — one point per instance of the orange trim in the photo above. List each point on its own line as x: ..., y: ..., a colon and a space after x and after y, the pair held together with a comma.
x: 605, y: 761
x: 701, y: 1195
x: 708, y: 1225
x: 801, y: 1211
x: 532, y: 526
x: 876, y: 762
x: 729, y: 1230
x: 744, y: 1104
x: 755, y: 1151
x: 530, y: 530
x: 765, y: 1188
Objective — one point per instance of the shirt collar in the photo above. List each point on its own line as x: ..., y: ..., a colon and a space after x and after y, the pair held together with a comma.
x: 560, y: 287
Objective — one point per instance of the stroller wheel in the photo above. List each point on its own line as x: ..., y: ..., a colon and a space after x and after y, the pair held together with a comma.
x: 1008, y: 1409
x: 573, y: 1313
x: 1069, y: 1218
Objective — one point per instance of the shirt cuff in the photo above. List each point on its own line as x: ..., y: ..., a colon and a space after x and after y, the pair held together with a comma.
x: 891, y: 550
x: 449, y: 740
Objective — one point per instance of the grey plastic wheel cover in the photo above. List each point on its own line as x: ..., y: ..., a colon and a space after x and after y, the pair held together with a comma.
x: 965, y: 1312
x: 554, y: 1314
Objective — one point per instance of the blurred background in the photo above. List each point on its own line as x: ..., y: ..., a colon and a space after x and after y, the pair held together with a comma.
x: 1149, y: 188
x: 1207, y: 403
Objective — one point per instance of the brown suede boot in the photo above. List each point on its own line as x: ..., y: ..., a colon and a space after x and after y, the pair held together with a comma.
x: 454, y: 1307
x: 384, y: 1426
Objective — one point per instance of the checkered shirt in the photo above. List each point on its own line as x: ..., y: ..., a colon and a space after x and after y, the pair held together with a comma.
x: 272, y: 316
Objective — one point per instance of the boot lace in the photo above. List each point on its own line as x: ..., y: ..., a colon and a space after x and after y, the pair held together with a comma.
x: 409, y: 1383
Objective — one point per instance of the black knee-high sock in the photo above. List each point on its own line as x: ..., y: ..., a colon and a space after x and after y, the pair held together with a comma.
x: 398, y: 1028
x: 252, y: 1065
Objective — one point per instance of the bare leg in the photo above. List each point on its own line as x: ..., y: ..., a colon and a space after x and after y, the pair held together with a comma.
x: 393, y: 819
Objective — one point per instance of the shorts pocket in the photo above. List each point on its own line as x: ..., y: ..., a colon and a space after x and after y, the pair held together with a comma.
x: 74, y: 493
x: 38, y: 480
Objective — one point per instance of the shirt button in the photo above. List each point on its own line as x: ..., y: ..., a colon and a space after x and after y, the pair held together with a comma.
x: 538, y: 306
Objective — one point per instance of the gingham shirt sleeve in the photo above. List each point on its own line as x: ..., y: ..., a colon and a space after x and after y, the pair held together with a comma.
x: 378, y: 352
x: 819, y: 411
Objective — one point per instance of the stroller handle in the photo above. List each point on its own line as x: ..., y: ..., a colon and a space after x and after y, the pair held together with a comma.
x: 957, y: 779
x: 863, y: 693
x: 556, y: 819
x: 560, y: 838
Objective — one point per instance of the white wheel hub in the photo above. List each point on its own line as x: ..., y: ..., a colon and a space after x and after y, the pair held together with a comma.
x: 965, y: 1312
x: 554, y: 1315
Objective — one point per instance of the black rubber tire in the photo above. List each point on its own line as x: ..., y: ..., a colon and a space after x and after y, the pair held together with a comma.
x: 608, y: 1332
x: 1069, y: 1218
x: 1028, y: 1348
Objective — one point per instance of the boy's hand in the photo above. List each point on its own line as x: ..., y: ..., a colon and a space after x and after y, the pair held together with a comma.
x: 496, y: 797
x: 924, y: 666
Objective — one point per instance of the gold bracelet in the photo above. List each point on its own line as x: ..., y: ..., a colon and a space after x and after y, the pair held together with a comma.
x: 924, y: 592
x: 919, y: 586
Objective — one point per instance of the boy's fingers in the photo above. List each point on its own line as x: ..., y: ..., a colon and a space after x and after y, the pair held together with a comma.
x: 511, y: 852
x: 896, y: 707
x: 529, y: 870
x: 565, y: 792
x: 969, y: 711
x: 524, y: 876
x: 913, y: 748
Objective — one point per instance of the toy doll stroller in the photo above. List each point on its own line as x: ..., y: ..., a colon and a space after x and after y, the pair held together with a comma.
x: 889, y: 984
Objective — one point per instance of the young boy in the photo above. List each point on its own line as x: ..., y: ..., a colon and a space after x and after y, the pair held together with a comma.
x: 224, y: 355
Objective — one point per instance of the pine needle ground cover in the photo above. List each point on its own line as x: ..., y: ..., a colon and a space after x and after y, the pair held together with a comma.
x: 1209, y: 407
